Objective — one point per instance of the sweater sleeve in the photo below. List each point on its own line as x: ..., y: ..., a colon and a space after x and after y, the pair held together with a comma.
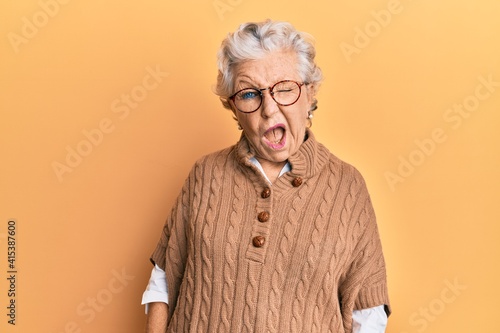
x: 364, y: 284
x: 171, y: 250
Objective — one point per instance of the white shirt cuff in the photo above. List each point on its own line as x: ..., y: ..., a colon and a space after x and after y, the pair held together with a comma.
x: 156, y: 290
x: 371, y: 320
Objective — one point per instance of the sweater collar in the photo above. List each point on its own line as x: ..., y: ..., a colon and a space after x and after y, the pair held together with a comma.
x: 306, y: 162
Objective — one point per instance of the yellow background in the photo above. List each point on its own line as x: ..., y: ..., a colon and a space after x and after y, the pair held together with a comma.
x: 77, y: 230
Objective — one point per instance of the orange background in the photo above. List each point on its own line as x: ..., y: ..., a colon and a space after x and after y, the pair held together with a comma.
x: 393, y: 72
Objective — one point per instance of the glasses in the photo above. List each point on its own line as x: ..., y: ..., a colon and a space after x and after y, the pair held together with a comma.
x: 284, y: 93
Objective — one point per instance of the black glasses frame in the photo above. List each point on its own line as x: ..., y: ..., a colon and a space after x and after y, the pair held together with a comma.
x: 271, y: 92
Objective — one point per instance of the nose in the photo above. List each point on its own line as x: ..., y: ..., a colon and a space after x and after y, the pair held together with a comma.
x: 269, y: 105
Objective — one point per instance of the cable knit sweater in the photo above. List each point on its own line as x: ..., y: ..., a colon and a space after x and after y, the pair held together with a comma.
x: 241, y: 255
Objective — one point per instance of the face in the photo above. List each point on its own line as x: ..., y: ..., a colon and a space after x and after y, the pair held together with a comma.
x: 274, y: 131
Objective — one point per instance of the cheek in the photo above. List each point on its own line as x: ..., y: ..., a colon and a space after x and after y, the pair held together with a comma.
x: 303, y: 111
x: 248, y: 123
x: 298, y: 122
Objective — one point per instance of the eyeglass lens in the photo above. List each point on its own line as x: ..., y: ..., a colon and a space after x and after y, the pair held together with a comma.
x: 284, y: 93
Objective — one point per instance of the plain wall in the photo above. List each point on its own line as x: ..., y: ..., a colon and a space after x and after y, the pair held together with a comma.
x: 411, y: 97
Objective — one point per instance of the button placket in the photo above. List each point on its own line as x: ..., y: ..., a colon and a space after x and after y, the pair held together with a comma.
x: 258, y: 241
x: 263, y: 216
x: 266, y: 193
x: 257, y: 246
x: 297, y: 181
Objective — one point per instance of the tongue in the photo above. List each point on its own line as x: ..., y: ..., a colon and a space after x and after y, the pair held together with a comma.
x: 275, y: 135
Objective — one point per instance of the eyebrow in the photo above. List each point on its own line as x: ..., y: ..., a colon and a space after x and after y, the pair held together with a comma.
x: 246, y: 81
x: 243, y: 83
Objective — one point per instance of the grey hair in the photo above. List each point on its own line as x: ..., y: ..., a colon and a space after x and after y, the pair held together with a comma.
x: 252, y: 41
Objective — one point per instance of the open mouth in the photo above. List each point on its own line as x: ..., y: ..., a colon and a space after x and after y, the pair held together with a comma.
x: 275, y: 136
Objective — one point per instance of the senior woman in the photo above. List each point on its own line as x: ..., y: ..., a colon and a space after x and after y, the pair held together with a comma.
x: 273, y: 234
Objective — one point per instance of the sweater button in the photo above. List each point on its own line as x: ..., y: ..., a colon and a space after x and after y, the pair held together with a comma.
x: 263, y: 216
x: 258, y: 241
x: 297, y: 181
x: 266, y: 193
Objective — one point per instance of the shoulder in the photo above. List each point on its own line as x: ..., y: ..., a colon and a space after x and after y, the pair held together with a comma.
x: 345, y: 171
x: 216, y: 157
x: 211, y: 163
x: 315, y: 157
x: 353, y: 192
x: 345, y: 179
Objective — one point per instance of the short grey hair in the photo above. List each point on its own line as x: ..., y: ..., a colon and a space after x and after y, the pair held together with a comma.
x: 252, y: 41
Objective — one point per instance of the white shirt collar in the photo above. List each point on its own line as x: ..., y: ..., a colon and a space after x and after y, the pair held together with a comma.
x: 287, y: 167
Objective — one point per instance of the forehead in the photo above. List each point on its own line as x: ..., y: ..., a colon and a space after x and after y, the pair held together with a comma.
x: 273, y: 67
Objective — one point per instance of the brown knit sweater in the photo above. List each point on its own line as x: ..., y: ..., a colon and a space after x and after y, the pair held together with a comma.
x: 241, y: 255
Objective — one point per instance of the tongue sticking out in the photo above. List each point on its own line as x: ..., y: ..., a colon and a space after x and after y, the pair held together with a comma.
x: 275, y: 135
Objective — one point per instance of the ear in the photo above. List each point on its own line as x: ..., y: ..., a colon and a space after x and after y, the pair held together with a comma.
x: 310, y: 91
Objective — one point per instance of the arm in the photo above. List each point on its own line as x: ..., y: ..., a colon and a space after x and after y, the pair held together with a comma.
x: 157, y: 317
x: 161, y: 295
x: 156, y: 300
x: 364, y: 285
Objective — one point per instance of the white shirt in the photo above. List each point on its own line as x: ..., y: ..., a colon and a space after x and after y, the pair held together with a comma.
x: 371, y: 320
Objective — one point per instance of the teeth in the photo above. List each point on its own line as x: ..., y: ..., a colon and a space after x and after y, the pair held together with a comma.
x: 275, y: 136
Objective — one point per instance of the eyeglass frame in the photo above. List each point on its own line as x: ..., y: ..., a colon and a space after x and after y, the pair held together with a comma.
x: 271, y: 92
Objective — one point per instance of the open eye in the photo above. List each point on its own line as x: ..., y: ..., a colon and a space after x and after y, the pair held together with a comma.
x: 248, y: 94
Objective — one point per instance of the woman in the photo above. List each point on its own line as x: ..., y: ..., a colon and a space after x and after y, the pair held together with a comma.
x: 273, y: 234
